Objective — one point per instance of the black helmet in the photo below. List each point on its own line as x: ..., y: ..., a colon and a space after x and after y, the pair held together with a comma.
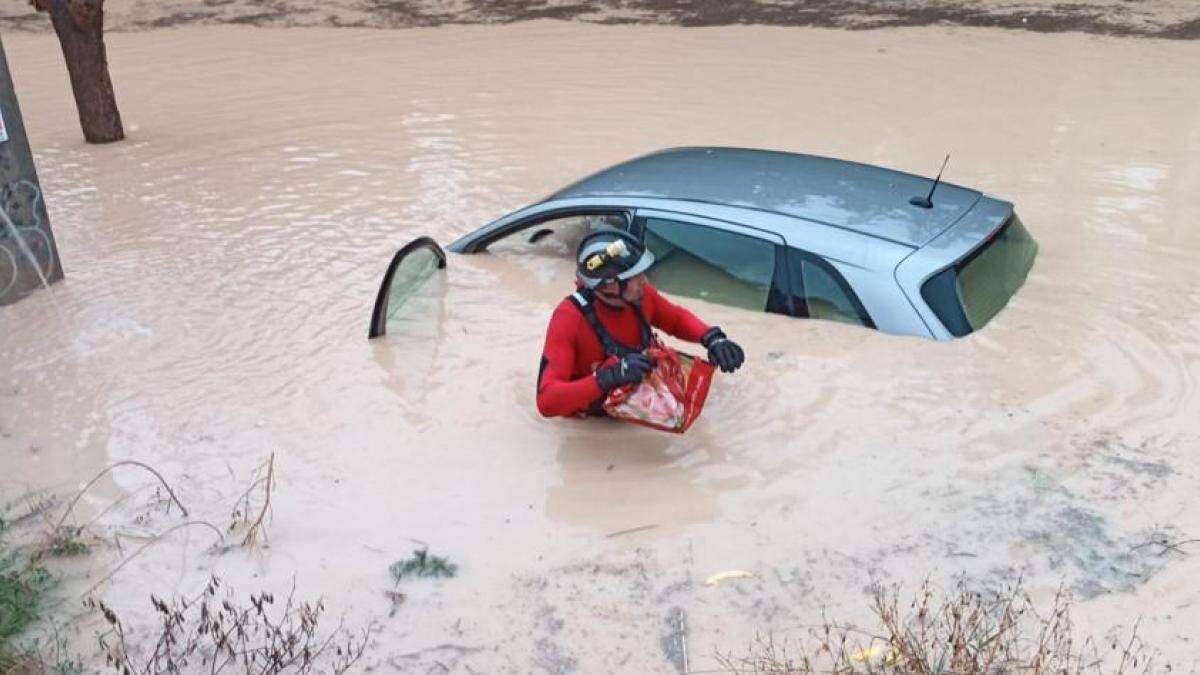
x: 610, y: 255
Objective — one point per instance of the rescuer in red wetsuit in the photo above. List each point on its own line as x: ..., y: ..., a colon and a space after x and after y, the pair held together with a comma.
x: 611, y: 315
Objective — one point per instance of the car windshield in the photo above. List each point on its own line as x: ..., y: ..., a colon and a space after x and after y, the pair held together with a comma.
x: 965, y: 296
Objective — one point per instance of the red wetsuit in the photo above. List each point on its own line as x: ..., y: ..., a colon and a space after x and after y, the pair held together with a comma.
x: 566, y: 383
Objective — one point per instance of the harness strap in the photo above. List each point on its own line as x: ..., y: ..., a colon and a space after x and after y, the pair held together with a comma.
x: 583, y: 299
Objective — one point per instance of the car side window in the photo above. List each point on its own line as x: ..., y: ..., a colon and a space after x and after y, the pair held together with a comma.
x: 558, y: 236
x: 708, y: 263
x: 820, y: 292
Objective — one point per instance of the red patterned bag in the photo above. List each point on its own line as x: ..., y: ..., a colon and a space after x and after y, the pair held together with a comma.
x: 670, y: 398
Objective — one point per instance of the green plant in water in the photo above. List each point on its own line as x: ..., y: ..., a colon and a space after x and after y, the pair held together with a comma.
x: 23, y: 587
x: 66, y: 541
x: 21, y: 593
x: 421, y: 564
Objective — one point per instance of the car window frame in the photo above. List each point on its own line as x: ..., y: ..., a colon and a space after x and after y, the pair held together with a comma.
x: 956, y: 242
x: 946, y: 281
x: 797, y: 295
x: 378, y: 326
x: 779, y: 301
x: 520, y: 225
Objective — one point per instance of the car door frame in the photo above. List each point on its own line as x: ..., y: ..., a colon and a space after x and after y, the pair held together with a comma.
x: 478, y: 240
x: 838, y: 278
x: 864, y: 262
x: 779, y: 299
x: 378, y: 325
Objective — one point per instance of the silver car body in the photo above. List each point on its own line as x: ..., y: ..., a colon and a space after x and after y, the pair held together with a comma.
x: 857, y: 217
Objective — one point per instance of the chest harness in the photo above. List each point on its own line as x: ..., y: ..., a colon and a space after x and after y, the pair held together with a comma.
x: 584, y: 300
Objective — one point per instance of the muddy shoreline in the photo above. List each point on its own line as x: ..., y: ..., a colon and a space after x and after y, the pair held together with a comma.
x: 1164, y: 19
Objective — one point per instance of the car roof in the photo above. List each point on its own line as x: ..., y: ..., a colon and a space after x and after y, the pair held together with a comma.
x: 867, y: 199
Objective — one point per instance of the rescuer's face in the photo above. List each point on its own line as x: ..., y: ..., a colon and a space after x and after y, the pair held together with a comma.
x: 610, y: 293
x: 635, y: 288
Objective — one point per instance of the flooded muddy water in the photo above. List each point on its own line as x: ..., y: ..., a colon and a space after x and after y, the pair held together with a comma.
x: 222, y: 261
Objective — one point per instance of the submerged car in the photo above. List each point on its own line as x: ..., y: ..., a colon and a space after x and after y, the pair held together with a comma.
x: 793, y: 234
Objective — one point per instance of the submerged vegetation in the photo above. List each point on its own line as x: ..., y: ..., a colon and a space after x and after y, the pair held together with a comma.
x: 961, y: 631
x: 66, y: 541
x: 421, y: 564
x: 24, y: 586
x: 213, y: 632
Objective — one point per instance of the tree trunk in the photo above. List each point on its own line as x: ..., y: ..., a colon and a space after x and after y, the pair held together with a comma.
x: 80, y: 28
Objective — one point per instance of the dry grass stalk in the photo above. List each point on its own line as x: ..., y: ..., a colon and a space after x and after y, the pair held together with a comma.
x: 155, y: 540
x: 90, y: 483
x: 1166, y: 545
x: 61, y: 539
x: 35, y: 504
x: 214, y: 634
x: 255, y: 529
x: 961, y: 632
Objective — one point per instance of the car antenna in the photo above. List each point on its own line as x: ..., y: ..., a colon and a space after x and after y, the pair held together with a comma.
x: 926, y: 202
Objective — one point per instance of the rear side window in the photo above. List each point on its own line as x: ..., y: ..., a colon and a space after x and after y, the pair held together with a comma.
x: 820, y: 292
x: 966, y: 295
x: 711, y: 264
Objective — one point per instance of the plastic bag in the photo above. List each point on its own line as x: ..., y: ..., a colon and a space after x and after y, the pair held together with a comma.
x: 670, y: 398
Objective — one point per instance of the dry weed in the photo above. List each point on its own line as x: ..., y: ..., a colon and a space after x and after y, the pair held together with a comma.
x: 215, y: 632
x: 960, y: 632
x: 240, y: 517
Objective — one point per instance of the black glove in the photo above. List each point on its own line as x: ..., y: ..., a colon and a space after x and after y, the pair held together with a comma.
x: 722, y: 351
x: 629, y: 370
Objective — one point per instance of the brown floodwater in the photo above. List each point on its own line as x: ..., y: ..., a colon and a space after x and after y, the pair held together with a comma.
x: 222, y: 261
